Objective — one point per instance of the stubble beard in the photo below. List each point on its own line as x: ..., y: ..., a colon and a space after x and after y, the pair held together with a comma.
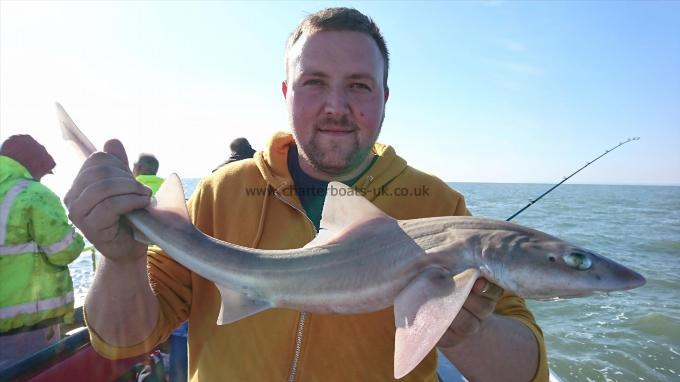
x: 334, y: 156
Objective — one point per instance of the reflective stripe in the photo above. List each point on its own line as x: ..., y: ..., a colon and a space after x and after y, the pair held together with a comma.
x: 36, y: 306
x: 15, y: 249
x: 9, y: 250
x: 6, y: 206
x: 60, y: 245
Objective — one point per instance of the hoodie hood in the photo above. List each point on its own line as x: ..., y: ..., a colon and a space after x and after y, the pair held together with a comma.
x: 32, y: 155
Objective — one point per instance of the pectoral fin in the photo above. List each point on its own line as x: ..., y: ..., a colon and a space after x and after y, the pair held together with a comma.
x: 423, y: 311
x: 236, y: 306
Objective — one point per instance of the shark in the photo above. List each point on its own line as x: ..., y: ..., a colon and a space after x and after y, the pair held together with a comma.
x: 363, y: 260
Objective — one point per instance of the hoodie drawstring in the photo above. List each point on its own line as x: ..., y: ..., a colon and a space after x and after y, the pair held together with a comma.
x: 260, y: 224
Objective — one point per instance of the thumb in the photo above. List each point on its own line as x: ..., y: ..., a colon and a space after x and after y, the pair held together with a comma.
x: 115, y: 148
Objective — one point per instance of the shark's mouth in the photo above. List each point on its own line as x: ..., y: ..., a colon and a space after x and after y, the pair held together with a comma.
x: 564, y: 296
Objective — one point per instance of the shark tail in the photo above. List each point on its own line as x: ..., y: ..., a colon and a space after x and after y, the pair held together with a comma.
x: 169, y: 205
x: 71, y: 133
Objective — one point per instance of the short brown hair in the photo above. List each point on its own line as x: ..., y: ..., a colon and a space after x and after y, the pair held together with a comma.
x: 341, y: 19
x: 147, y: 164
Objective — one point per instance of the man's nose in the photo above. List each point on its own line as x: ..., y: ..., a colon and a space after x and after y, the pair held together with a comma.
x: 337, y: 101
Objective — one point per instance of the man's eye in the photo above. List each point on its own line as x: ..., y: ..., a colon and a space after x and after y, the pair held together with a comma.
x: 312, y: 82
x: 359, y: 85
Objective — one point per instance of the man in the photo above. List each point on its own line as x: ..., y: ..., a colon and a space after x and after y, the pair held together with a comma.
x: 36, y: 245
x: 240, y: 150
x: 335, y: 91
x: 145, y: 170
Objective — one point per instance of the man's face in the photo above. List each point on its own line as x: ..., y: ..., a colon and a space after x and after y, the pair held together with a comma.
x: 335, y: 98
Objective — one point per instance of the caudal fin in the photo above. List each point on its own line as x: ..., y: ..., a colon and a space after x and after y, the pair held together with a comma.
x: 170, y: 203
x: 71, y: 133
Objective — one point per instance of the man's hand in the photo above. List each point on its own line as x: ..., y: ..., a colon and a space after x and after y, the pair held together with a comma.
x: 474, y: 315
x: 102, y: 192
x: 478, y: 338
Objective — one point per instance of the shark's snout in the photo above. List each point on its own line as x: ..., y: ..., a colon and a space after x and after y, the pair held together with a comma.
x: 630, y: 279
x: 618, y: 277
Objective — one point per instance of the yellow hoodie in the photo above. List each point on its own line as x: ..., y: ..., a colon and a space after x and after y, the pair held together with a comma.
x: 252, y: 203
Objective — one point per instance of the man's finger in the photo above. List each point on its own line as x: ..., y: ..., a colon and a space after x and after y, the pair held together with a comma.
x: 465, y: 323
x: 116, y: 148
x: 87, y: 173
x: 488, y: 289
x: 480, y: 306
x: 463, y: 326
x: 95, y: 173
x: 108, y: 211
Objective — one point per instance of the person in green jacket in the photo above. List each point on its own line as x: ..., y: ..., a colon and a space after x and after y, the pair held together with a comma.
x: 145, y: 170
x: 37, y: 243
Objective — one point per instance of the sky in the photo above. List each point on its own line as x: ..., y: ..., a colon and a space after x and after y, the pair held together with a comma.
x: 489, y: 91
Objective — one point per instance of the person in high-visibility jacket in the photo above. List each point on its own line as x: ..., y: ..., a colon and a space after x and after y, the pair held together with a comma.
x: 37, y: 243
x: 145, y: 170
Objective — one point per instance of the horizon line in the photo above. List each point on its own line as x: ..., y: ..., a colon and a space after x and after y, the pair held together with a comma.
x: 575, y: 183
x: 669, y: 184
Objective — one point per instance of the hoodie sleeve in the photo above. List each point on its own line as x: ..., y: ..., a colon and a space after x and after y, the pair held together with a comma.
x: 171, y: 283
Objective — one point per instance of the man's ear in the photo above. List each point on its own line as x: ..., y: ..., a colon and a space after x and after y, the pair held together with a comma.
x: 284, y: 88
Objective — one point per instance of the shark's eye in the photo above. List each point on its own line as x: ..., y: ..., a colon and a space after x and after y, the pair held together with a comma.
x: 578, y: 260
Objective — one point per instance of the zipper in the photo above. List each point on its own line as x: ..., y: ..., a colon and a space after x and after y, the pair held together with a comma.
x: 369, y: 180
x: 298, y: 347
x: 283, y: 199
x: 303, y: 315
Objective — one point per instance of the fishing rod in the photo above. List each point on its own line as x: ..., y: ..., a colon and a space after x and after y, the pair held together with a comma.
x: 532, y: 201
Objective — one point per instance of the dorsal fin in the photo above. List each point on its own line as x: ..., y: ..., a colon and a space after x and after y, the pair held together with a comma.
x: 344, y: 207
x: 169, y: 204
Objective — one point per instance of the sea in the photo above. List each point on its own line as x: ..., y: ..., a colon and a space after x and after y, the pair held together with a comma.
x: 619, y: 336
